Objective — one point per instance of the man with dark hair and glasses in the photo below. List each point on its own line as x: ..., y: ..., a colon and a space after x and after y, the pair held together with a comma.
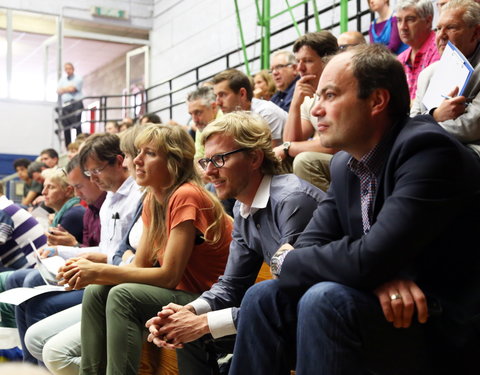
x: 270, y: 209
x: 103, y: 162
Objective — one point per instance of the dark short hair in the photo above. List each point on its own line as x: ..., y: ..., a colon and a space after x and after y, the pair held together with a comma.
x: 236, y: 80
x: 50, y: 152
x: 152, y: 118
x: 36, y: 166
x: 322, y: 42
x: 101, y: 146
x: 72, y: 164
x: 22, y: 162
x: 374, y: 67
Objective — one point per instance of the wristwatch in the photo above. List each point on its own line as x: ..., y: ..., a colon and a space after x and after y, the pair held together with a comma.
x: 276, y: 261
x: 286, y: 147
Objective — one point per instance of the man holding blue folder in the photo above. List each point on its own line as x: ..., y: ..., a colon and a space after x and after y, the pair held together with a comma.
x: 459, y: 23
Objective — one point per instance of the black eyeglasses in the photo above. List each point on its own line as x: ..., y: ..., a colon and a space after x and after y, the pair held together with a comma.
x: 218, y: 160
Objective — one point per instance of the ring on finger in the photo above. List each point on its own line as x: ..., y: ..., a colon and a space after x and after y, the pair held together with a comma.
x: 395, y: 296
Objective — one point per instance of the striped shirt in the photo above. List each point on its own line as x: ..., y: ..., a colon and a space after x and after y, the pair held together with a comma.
x: 17, y: 228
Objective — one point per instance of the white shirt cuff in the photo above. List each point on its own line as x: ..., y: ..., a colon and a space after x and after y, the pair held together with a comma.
x: 201, y: 306
x: 221, y: 323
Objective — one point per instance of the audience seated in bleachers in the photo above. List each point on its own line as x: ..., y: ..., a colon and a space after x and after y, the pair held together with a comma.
x: 189, y: 268
x: 56, y: 339
x: 459, y: 23
x: 102, y: 159
x: 384, y: 279
x: 250, y: 175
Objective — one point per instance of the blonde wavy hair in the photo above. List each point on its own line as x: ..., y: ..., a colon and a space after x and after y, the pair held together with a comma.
x: 249, y: 131
x: 179, y: 147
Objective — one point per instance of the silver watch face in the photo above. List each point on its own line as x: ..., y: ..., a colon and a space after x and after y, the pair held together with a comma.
x: 274, y: 266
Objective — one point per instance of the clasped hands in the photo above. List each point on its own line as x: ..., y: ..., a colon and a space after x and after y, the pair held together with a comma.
x: 77, y: 273
x: 176, y: 325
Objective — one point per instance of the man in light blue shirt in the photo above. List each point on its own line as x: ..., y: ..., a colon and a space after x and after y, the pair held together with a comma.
x: 69, y: 89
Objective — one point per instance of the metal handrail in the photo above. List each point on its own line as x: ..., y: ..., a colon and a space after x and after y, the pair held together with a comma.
x: 169, y: 93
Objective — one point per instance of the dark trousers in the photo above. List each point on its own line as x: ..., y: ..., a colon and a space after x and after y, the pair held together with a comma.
x: 337, y: 330
x: 71, y: 120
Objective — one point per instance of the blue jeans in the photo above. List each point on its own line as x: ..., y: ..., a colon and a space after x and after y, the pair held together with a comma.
x: 38, y: 308
x: 27, y: 278
x: 340, y: 330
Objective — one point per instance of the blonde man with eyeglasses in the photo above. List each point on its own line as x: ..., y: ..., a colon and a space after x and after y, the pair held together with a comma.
x: 270, y: 208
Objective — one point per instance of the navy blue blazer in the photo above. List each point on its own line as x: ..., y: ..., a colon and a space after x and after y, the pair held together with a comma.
x: 425, y: 226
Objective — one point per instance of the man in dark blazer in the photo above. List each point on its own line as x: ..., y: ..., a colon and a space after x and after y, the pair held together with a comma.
x: 396, y: 236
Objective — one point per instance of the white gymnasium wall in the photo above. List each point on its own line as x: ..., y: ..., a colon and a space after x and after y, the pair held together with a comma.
x: 138, y: 11
x: 185, y: 34
x: 27, y: 127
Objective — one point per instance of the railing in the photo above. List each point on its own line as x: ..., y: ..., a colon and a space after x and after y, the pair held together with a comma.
x: 165, y: 97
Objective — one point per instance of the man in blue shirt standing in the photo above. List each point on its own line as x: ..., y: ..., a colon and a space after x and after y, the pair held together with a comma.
x: 69, y: 90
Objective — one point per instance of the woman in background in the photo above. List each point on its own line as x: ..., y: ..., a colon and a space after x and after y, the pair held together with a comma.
x: 383, y: 29
x: 263, y: 85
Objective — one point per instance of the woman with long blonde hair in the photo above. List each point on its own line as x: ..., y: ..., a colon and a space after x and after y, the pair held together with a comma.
x: 182, y: 251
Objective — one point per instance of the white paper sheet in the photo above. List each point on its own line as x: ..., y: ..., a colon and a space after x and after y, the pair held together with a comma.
x: 16, y: 296
x: 453, y: 70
